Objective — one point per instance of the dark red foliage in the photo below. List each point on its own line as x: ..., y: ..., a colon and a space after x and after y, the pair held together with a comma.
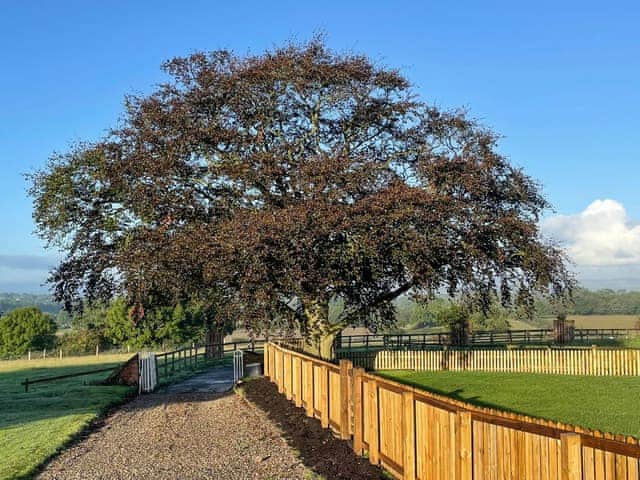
x: 281, y: 182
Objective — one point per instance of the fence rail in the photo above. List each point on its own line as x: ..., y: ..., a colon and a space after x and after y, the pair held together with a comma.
x: 28, y: 382
x: 485, y: 338
x: 419, y: 435
x: 559, y: 361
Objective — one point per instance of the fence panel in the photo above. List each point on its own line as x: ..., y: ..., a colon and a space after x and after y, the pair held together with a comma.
x: 478, y: 338
x: 420, y: 435
x: 559, y: 361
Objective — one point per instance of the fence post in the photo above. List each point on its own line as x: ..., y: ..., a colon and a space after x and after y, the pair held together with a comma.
x: 277, y: 361
x: 374, y: 424
x: 97, y: 349
x: 324, y: 396
x: 60, y: 354
x: 29, y: 355
x: 288, y: 383
x: 409, y: 435
x: 345, y: 365
x: 265, y: 360
x: 357, y: 410
x: 308, y: 390
x: 571, y: 456
x: 464, y: 459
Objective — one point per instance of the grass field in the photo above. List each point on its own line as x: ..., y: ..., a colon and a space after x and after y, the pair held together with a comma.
x: 604, y: 403
x: 34, y: 425
x: 605, y: 321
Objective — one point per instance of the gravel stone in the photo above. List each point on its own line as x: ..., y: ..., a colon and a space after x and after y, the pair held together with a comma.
x: 182, y: 436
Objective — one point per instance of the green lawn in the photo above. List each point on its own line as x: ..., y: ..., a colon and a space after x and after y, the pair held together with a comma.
x: 34, y: 425
x: 604, y: 403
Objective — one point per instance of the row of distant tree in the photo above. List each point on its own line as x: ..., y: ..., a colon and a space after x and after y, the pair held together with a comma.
x: 104, y: 326
x: 30, y: 322
x: 586, y: 302
x: 414, y: 315
x: 597, y: 302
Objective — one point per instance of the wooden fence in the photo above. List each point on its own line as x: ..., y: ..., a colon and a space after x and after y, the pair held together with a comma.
x: 481, y: 338
x: 561, y: 361
x: 419, y: 435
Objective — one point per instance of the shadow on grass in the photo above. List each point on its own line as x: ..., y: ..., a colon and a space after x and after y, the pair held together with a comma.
x: 319, y: 450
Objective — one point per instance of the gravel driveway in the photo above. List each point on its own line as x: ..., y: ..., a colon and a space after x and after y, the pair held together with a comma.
x: 182, y: 436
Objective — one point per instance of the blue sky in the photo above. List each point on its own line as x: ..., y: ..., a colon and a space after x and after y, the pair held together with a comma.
x: 558, y: 79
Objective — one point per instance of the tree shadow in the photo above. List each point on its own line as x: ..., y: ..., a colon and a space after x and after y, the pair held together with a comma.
x: 318, y: 449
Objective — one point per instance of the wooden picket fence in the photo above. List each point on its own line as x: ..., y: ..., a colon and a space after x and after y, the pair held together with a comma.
x: 559, y: 361
x: 415, y: 434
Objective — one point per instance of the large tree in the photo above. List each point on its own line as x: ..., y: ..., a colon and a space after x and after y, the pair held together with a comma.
x: 281, y: 183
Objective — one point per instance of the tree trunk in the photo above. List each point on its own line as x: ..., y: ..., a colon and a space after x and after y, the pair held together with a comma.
x: 321, y: 330
x: 323, y: 347
x: 214, y: 347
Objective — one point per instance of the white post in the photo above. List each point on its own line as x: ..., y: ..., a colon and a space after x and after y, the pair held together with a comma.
x: 238, y: 365
x: 29, y: 357
x: 97, y: 350
x: 60, y: 354
x: 148, y: 379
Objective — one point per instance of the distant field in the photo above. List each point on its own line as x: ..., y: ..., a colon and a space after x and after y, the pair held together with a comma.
x: 581, y: 321
x: 602, y: 403
x: 34, y: 425
x: 606, y: 321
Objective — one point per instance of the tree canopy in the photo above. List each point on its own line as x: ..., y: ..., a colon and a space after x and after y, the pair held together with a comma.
x: 278, y: 183
x: 25, y: 329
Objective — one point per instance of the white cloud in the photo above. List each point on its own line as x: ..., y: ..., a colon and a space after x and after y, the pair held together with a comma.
x: 601, y: 235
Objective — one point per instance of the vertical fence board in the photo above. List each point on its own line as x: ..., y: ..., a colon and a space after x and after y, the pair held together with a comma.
x: 358, y: 411
x: 345, y: 432
x: 325, y: 388
x: 373, y: 424
x: 409, y: 436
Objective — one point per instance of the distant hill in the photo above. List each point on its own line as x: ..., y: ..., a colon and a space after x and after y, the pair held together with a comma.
x: 11, y: 301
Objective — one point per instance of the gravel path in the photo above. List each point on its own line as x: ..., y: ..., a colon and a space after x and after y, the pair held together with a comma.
x: 182, y: 436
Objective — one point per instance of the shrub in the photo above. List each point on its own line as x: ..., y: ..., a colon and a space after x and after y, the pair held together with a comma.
x: 26, y: 329
x: 456, y: 318
x: 78, y: 342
